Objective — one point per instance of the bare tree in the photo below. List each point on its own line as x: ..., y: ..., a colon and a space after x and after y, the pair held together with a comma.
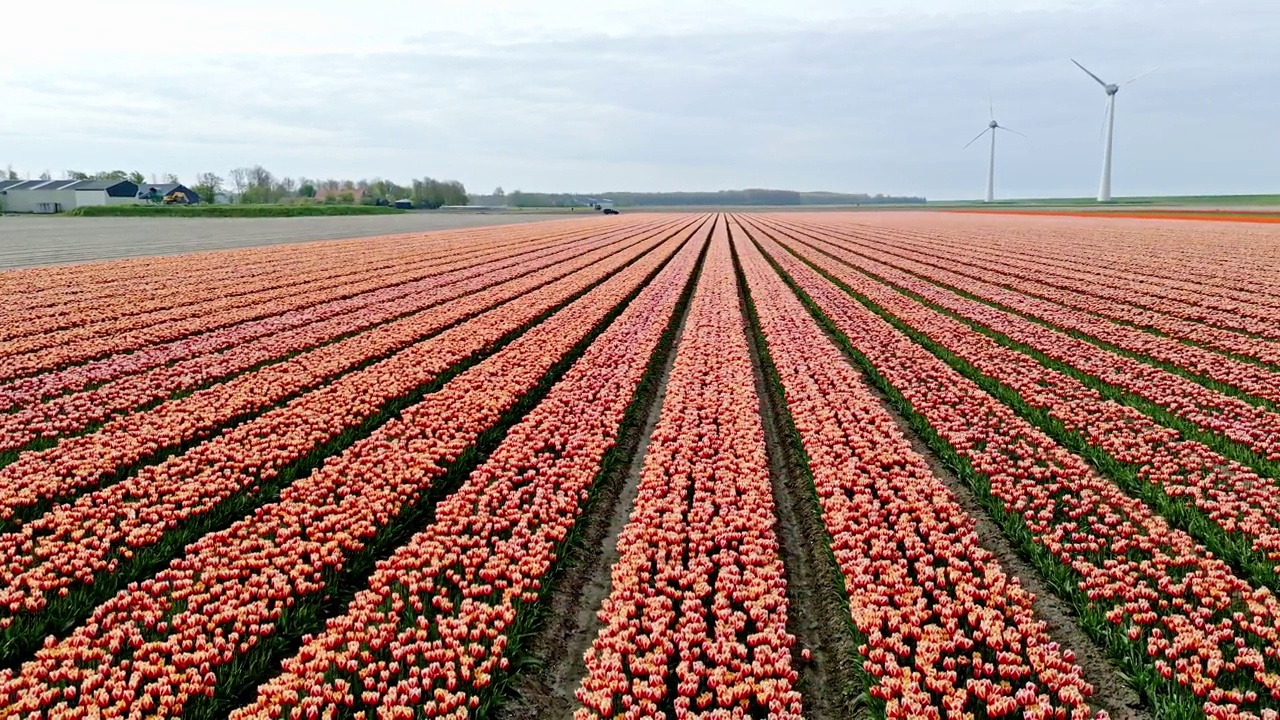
x: 260, y: 177
x: 240, y: 179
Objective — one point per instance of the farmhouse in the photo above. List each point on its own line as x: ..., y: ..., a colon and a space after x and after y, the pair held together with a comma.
x: 53, y: 196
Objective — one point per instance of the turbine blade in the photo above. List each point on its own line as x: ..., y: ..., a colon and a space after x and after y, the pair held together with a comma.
x: 984, y: 132
x: 1139, y: 77
x: 991, y: 104
x: 1095, y: 77
x: 1015, y: 132
x: 1102, y: 129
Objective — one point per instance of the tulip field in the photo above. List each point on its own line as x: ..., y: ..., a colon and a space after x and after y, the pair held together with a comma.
x: 712, y: 465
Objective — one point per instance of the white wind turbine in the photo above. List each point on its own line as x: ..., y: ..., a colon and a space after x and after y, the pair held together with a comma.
x: 992, y: 127
x: 1104, y: 186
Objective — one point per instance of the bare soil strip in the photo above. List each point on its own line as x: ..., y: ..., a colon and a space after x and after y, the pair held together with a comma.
x: 1112, y: 692
x: 818, y: 613
x: 545, y: 688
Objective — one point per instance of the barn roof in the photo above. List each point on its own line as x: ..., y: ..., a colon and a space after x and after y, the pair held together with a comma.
x: 62, y: 184
x: 163, y: 188
x: 100, y: 184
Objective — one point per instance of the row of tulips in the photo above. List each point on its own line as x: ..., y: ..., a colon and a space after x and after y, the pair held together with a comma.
x: 1234, y: 497
x: 72, y: 413
x: 1177, y: 612
x: 33, y: 389
x: 333, y: 371
x: 79, y: 345
x: 192, y: 280
x: 1255, y: 428
x: 80, y: 543
x: 1232, y: 260
x: 166, y: 302
x: 1258, y: 381
x: 160, y: 645
x: 84, y: 333
x: 433, y: 631
x: 1156, y: 258
x: 1134, y: 299
x: 945, y: 629
x: 1220, y: 331
x: 695, y: 622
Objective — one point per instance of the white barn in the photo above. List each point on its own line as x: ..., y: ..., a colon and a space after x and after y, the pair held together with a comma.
x: 54, y: 196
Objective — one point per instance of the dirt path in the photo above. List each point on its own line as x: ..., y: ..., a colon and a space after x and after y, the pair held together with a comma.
x: 817, y: 613
x: 570, y: 623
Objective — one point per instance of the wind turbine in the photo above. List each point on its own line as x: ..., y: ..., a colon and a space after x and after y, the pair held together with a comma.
x: 1104, y: 185
x: 992, y: 127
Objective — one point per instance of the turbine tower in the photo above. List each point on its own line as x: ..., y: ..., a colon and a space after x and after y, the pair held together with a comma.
x: 1109, y: 126
x: 992, y: 127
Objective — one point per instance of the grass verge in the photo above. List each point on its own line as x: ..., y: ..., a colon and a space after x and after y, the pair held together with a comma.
x: 230, y: 211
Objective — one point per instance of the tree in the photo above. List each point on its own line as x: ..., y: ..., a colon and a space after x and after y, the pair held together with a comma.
x: 284, y: 187
x: 306, y: 190
x: 207, y: 186
x: 431, y: 193
x: 136, y: 178
x: 45, y: 175
x: 499, y: 193
x: 171, y: 179
x: 9, y: 174
x: 240, y: 179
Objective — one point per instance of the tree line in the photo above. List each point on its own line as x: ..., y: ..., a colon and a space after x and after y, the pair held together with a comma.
x: 259, y: 186
x: 748, y: 197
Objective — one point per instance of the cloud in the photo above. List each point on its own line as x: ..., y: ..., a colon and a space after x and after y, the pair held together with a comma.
x: 660, y: 96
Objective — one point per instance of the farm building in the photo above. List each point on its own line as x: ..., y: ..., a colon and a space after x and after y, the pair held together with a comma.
x: 52, y: 196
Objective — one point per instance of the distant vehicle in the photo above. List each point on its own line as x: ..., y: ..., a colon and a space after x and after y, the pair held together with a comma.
x: 404, y: 204
x: 609, y: 211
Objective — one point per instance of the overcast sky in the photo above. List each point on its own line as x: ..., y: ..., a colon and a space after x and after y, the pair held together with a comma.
x: 845, y: 95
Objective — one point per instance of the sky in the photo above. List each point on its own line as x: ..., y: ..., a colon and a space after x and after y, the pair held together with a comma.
x: 652, y: 95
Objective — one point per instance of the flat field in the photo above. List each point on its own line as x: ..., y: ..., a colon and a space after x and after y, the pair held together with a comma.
x: 898, y: 464
x: 29, y: 241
